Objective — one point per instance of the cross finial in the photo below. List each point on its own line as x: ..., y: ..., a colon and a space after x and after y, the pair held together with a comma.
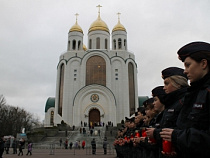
x: 76, y: 16
x: 118, y: 16
x: 99, y: 6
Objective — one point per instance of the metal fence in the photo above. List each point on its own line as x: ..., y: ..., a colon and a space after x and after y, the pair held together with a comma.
x: 55, y: 148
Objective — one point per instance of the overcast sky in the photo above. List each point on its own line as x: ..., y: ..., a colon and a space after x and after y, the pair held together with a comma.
x: 34, y: 33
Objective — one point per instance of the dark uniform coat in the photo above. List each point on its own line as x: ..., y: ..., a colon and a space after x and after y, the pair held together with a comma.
x: 1, y: 147
x: 173, y: 104
x: 93, y: 144
x: 192, y: 136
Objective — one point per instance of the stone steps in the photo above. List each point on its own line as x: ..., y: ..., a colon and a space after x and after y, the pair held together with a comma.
x: 75, y: 135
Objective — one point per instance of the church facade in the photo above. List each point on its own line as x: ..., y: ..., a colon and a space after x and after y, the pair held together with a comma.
x: 97, y: 83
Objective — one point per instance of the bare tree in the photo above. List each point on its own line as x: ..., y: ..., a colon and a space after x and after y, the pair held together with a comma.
x: 2, y: 100
x: 13, y: 119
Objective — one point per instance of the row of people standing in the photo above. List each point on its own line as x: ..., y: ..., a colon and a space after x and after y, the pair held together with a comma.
x: 76, y: 145
x: 176, y: 120
x: 20, y: 145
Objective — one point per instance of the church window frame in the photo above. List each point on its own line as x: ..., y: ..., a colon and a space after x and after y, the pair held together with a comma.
x: 119, y: 43
x: 61, y: 87
x: 106, y: 44
x: 98, y: 43
x: 96, y: 70
x: 90, y: 44
x: 69, y: 46
x: 131, y: 88
x: 125, y: 44
x: 74, y: 45
x: 79, y: 45
x: 52, y: 118
x: 115, y: 45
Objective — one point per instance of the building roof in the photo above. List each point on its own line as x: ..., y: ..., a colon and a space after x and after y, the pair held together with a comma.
x: 142, y: 99
x: 50, y: 103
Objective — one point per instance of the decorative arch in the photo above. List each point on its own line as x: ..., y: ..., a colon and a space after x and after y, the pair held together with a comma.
x: 94, y: 106
x: 82, y: 103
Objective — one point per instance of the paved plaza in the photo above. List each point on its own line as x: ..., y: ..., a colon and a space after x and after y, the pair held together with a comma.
x: 62, y: 153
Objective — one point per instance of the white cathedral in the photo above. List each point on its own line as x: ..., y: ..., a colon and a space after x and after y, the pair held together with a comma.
x: 95, y: 84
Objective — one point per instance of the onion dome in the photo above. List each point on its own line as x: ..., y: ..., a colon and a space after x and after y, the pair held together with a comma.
x: 76, y: 27
x: 84, y: 47
x: 98, y: 24
x: 119, y: 26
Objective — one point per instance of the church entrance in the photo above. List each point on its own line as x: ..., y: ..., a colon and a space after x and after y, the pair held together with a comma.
x: 94, y: 117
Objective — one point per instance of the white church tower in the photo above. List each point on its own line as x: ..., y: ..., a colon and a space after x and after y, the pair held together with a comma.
x: 95, y: 84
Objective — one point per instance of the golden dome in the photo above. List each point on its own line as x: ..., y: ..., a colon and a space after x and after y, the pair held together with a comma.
x: 99, y: 24
x: 84, y: 47
x: 76, y: 27
x: 119, y: 27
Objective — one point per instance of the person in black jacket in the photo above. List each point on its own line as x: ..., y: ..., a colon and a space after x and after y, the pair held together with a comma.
x: 93, y: 144
x: 191, y: 137
x: 158, y: 93
x: 175, y: 86
x: 14, y: 146
x: 1, y: 146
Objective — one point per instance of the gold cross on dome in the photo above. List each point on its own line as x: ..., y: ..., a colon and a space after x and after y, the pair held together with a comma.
x: 99, y: 6
x: 118, y: 16
x: 76, y: 16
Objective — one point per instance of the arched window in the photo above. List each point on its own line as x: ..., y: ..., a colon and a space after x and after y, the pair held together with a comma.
x: 125, y: 44
x: 69, y: 45
x: 131, y: 88
x: 60, y: 99
x: 96, y: 71
x: 74, y: 44
x: 119, y: 43
x: 79, y: 43
x: 106, y: 44
x: 90, y: 44
x: 114, y: 44
x: 52, y: 118
x: 97, y: 43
